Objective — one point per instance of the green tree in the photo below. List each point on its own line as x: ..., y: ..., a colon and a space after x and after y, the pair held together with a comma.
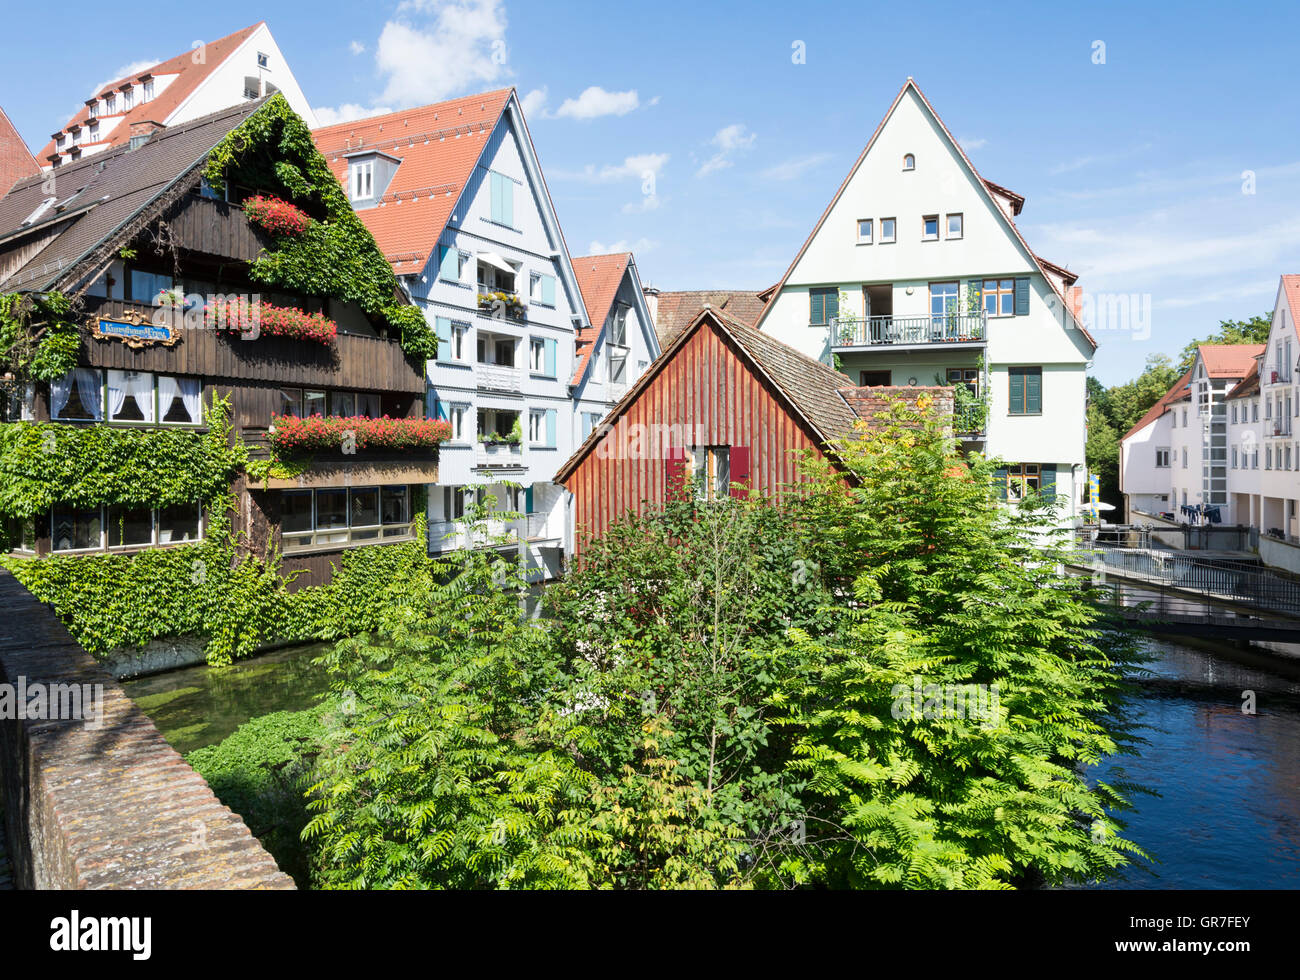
x: 1252, y: 331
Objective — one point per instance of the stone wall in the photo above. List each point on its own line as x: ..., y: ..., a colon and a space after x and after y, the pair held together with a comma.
x: 110, y: 804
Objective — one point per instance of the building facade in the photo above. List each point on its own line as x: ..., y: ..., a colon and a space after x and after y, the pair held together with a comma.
x: 916, y: 274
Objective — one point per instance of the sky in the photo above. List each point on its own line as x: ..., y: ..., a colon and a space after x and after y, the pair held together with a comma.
x: 1155, y: 143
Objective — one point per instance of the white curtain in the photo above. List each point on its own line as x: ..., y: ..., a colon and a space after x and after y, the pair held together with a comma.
x: 116, y: 393
x: 87, y: 384
x: 187, y: 390
x: 368, y: 405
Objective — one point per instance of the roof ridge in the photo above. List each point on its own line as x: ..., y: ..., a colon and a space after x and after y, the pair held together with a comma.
x: 369, y: 120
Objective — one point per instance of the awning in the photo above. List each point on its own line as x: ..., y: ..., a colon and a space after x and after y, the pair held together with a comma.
x: 497, y: 262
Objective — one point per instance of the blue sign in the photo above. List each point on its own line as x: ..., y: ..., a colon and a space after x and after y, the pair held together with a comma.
x: 136, y: 334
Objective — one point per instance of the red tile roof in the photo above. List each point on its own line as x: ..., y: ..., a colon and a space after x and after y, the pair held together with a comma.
x: 1174, y: 394
x: 599, y: 277
x: 1249, y: 385
x: 439, y: 146
x: 1229, y: 360
x: 1291, y: 286
x: 677, y: 310
x: 188, y: 77
x: 16, y: 161
x: 989, y: 186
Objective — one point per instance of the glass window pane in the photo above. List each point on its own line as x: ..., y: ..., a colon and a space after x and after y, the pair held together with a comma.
x: 1008, y: 304
x: 394, y: 505
x: 365, y: 507
x: 178, y: 523
x: 77, y: 395
x: 313, y: 403
x: 331, y: 508
x: 343, y: 404
x: 295, y: 511
x: 75, y: 530
x: 180, y: 400
x: 291, y: 402
x: 129, y: 526
x: 368, y: 406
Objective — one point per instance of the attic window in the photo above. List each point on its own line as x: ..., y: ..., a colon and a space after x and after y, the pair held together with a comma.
x: 262, y: 60
x: 252, y: 88
x: 361, y: 179
x: 148, y: 90
x: 128, y: 97
x: 93, y: 106
x: 909, y: 161
x: 110, y: 103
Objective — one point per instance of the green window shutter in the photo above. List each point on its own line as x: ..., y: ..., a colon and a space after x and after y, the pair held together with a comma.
x: 1016, y: 403
x: 548, y: 290
x: 1047, y: 479
x: 1000, y: 483
x: 1034, y: 391
x: 817, y: 312
x: 1022, y: 297
x: 449, y: 264
x: 444, y: 338
x: 832, y: 304
x: 550, y: 426
x: 528, y: 500
x: 548, y: 349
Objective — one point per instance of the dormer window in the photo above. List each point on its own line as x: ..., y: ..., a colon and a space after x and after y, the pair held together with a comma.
x: 128, y: 98
x: 94, y: 132
x: 909, y: 161
x: 361, y: 177
x: 369, y: 174
x: 93, y: 108
x: 147, y: 96
x: 110, y: 104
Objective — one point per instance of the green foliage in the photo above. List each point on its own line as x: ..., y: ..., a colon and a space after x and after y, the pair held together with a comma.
x: 272, y: 150
x: 45, y: 464
x: 1252, y: 331
x: 39, y: 339
x: 260, y: 772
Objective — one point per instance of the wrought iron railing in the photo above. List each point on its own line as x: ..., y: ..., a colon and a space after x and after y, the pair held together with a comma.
x: 948, y: 328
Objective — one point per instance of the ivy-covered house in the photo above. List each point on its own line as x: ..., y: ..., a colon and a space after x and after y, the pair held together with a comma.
x: 198, y: 335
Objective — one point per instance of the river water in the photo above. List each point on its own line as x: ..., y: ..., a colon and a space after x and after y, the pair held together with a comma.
x: 1226, y: 813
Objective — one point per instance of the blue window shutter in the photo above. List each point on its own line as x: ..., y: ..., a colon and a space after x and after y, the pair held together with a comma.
x: 548, y: 348
x: 494, y: 182
x: 444, y: 338
x: 817, y: 313
x: 528, y: 500
x: 550, y: 426
x: 1034, y: 392
x: 1022, y: 297
x: 449, y: 264
x: 548, y: 290
x: 1047, y: 480
x: 1016, y: 402
x: 1000, y: 483
x: 507, y: 201
x: 832, y: 305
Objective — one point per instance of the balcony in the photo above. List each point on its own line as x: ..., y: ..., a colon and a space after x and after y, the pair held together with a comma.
x: 499, y: 455
x: 957, y: 329
x: 498, y: 377
x: 494, y: 533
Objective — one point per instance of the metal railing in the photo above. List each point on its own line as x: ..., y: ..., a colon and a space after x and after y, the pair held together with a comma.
x: 881, y: 330
x: 491, y: 533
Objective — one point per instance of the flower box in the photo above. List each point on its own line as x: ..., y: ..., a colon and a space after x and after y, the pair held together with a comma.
x: 276, y: 216
x: 291, y: 435
x: 265, y: 319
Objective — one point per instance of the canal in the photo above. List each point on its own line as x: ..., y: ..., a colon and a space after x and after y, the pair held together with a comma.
x: 1226, y: 809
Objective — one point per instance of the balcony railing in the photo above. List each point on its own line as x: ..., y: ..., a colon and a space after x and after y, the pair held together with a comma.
x: 951, y: 328
x: 498, y: 377
x: 492, y: 533
x: 499, y: 454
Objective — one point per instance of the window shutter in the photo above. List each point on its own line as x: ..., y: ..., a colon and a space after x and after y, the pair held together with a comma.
x: 494, y: 180
x: 739, y: 465
x: 1000, y: 483
x: 507, y: 201
x: 817, y: 313
x: 548, y: 352
x: 1034, y: 392
x: 832, y: 305
x: 1017, y: 387
x: 548, y: 290
x: 1022, y: 297
x: 550, y: 426
x: 444, y: 338
x: 1047, y: 480
x: 449, y: 264
x: 675, y: 474
x: 528, y: 500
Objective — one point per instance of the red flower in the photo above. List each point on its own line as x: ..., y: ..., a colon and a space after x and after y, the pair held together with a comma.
x: 320, y: 432
x: 276, y: 216
x: 273, y: 321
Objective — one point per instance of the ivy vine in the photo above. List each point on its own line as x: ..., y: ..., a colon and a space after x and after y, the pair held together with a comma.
x: 39, y: 339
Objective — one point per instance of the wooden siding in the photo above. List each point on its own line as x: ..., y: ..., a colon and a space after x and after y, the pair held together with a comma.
x: 707, y: 383
x: 217, y: 228
x: 352, y: 361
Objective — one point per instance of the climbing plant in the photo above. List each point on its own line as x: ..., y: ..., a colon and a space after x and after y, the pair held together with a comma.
x: 39, y: 338
x: 335, y: 255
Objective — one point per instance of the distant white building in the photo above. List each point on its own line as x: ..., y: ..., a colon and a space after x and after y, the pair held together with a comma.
x: 916, y: 274
x: 1146, y: 457
x: 211, y: 76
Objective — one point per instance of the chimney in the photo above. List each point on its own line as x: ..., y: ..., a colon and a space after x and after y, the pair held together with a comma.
x: 142, y: 130
x: 1076, y: 303
x: 651, y: 295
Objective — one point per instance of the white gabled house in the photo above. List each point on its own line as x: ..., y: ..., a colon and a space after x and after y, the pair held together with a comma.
x: 916, y: 274
x: 454, y: 195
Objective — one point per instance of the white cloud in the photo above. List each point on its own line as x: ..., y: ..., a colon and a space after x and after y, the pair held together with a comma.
x: 349, y: 111
x: 650, y: 202
x: 534, y: 102
x: 637, y: 167
x: 133, y: 68
x: 595, y: 102
x: 973, y: 144
x: 728, y: 141
x: 357, y: 47
x: 795, y: 168
x: 622, y: 245
x: 452, y: 46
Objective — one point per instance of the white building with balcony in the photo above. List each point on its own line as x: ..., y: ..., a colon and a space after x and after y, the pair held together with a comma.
x: 916, y: 274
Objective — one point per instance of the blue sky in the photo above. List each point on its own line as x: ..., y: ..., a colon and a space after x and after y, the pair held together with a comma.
x: 1132, y: 168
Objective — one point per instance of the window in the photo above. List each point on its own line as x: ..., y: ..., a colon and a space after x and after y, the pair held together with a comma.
x: 455, y: 265
x: 618, y: 325
x: 459, y: 337
x: 590, y: 420
x: 824, y: 305
x: 262, y: 60
x: 1254, y: 458
x: 1184, y: 418
x: 864, y: 231
x: 943, y: 300
x: 541, y: 288
x: 617, y: 367
x: 536, y: 355
x: 178, y: 523
x: 394, y: 509
x: 78, y: 396
x: 1254, y: 411
x: 179, y: 400
x: 313, y: 403
x: 954, y: 225
x: 1234, y: 458
x: 541, y: 426
x: 710, y: 471
x: 93, y: 133
x: 453, y: 503
x: 1023, y: 479
x: 343, y: 516
x: 368, y: 406
x: 970, y: 377
x: 1026, y: 390
x: 874, y: 379
x: 999, y: 297
x: 144, y: 287
x: 147, y: 95
x: 130, y: 527
x: 1184, y: 457
x: 930, y: 228
x: 1162, y: 457
x: 457, y: 415
x: 343, y: 404
x: 110, y: 104
x: 130, y: 396
x: 503, y: 198
x: 909, y: 161
x: 93, y: 109
x: 361, y: 178
x: 123, y: 527
x: 128, y: 98
x: 75, y: 530
x: 888, y: 228
x: 1234, y: 413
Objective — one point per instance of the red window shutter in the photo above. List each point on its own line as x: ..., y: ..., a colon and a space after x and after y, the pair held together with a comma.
x: 739, y: 464
x: 674, y: 473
